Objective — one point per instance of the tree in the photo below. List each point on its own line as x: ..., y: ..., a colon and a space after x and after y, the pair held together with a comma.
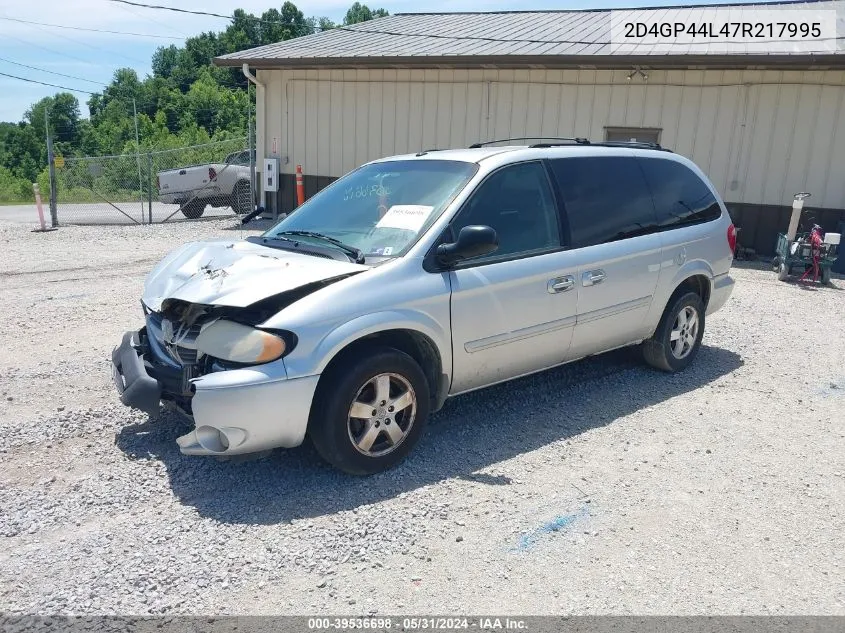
x: 362, y: 13
x: 63, y: 112
x: 184, y: 101
x: 164, y: 61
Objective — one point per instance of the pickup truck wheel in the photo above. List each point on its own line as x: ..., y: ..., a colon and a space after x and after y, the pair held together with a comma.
x: 193, y: 209
x: 370, y: 411
x: 242, y: 197
x: 678, y: 337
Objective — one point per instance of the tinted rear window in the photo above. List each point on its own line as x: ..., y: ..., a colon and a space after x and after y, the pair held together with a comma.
x: 680, y: 197
x: 606, y: 199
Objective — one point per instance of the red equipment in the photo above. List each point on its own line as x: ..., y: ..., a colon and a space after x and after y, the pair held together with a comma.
x: 816, y: 241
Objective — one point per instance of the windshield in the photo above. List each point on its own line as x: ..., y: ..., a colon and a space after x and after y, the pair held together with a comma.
x: 381, y: 209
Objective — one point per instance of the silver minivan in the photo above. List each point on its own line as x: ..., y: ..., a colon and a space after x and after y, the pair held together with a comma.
x: 420, y: 277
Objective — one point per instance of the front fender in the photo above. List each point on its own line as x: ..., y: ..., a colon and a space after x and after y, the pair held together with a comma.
x: 337, y: 339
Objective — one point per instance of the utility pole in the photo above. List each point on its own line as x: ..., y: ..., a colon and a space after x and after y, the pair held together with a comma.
x: 54, y: 218
x: 138, y: 159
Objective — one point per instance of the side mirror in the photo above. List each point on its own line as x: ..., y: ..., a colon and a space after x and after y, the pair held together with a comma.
x: 473, y: 241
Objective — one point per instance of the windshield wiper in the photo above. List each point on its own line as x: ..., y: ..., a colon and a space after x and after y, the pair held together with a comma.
x: 355, y: 253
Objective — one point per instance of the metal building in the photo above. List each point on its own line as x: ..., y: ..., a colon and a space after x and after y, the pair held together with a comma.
x: 762, y: 125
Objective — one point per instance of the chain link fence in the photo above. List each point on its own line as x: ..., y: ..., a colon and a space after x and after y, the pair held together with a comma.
x: 211, y: 180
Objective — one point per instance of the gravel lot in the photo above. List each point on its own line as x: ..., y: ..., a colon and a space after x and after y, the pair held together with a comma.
x: 600, y: 487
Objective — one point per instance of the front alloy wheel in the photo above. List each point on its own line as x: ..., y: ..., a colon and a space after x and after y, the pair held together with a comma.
x: 382, y: 414
x: 369, y: 410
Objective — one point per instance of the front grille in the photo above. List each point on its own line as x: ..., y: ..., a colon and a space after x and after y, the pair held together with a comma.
x: 181, y: 343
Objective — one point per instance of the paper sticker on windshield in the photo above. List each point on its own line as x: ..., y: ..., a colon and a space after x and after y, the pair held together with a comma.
x: 410, y: 217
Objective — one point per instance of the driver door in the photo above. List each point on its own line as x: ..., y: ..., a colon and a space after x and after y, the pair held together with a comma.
x: 513, y: 311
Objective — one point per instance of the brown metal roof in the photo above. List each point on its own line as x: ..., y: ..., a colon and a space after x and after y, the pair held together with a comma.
x: 518, y: 38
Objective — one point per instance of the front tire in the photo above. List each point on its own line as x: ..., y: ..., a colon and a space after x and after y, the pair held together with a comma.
x: 678, y: 337
x: 370, y: 410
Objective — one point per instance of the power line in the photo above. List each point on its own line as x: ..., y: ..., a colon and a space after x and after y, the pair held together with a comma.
x: 99, y: 48
x: 51, y: 72
x: 34, y: 81
x: 54, y: 51
x: 80, y: 28
x: 152, y: 20
x: 312, y: 29
x: 459, y: 38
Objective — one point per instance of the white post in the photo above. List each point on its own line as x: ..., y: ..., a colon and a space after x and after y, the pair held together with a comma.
x: 37, y: 191
x: 797, y: 206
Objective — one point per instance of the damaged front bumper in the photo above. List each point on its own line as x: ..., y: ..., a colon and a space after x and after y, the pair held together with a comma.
x: 235, y: 411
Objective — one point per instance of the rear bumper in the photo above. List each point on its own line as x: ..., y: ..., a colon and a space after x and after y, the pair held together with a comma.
x: 235, y: 412
x: 723, y: 286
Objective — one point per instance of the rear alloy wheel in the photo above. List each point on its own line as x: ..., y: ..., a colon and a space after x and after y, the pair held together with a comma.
x: 193, y: 209
x: 242, y: 197
x: 678, y: 337
x: 370, y: 411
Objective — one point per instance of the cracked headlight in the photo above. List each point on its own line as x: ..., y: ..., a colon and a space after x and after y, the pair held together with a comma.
x: 239, y: 343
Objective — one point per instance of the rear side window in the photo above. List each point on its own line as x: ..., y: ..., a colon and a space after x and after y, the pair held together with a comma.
x: 680, y: 197
x: 606, y: 199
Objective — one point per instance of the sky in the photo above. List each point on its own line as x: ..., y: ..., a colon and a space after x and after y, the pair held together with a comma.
x: 92, y: 57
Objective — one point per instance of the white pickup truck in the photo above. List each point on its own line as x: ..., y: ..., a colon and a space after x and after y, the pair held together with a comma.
x: 218, y: 185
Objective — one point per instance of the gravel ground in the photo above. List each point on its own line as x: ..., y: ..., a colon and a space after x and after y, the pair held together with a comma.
x: 600, y: 487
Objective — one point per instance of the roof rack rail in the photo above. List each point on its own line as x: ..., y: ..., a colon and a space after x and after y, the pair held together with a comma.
x: 632, y: 144
x: 423, y: 152
x: 532, y: 138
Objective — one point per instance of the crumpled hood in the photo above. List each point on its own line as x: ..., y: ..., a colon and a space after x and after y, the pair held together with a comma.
x: 235, y: 273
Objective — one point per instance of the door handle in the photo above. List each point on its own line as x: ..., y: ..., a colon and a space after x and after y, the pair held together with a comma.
x: 561, y: 284
x: 593, y: 277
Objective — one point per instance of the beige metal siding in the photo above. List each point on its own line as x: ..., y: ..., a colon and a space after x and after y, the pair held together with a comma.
x: 759, y: 135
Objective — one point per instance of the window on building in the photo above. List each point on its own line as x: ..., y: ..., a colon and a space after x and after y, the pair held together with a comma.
x: 606, y: 199
x: 517, y: 202
x: 680, y: 196
x: 632, y: 134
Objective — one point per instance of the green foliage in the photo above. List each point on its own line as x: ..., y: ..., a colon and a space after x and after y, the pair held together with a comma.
x: 185, y: 101
x: 14, y: 189
x: 362, y: 13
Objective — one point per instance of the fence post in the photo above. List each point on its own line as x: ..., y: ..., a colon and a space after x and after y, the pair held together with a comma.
x: 138, y: 159
x: 150, y: 187
x: 54, y: 217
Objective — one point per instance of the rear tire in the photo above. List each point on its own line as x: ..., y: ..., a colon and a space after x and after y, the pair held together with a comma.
x: 242, y: 197
x: 389, y: 392
x: 193, y: 209
x: 678, y: 337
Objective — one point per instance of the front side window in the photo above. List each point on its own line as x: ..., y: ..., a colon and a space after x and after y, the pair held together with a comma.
x: 606, y: 199
x: 382, y: 208
x: 517, y: 203
x: 680, y: 197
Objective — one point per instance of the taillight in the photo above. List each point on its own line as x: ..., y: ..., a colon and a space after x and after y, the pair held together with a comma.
x: 212, y: 173
x: 732, y: 238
